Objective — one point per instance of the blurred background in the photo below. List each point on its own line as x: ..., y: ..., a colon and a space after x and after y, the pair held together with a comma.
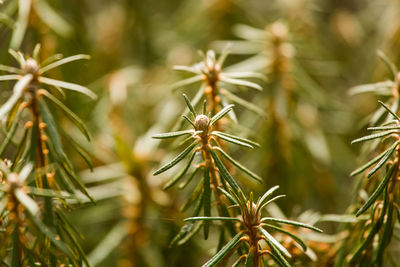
x: 313, y: 50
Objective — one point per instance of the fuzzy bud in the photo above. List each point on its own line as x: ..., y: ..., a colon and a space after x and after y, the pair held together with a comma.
x: 201, y: 123
x: 30, y: 66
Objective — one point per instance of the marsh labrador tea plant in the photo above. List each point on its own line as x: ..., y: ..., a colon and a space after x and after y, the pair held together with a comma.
x: 293, y: 101
x: 37, y: 175
x: 187, y: 165
x: 376, y: 206
x: 240, y: 217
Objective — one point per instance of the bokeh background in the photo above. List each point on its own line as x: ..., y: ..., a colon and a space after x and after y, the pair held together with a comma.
x: 332, y: 46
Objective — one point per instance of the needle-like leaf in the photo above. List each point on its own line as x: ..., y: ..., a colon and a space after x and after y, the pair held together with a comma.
x: 51, y: 17
x: 384, y: 128
x: 267, y: 195
x: 11, y: 133
x: 176, y: 179
x: 386, y: 236
x: 9, y: 77
x: 240, y: 166
x: 26, y: 201
x: 68, y: 86
x: 371, y: 162
x: 10, y: 69
x: 271, y: 200
x: 275, y: 250
x: 211, y: 219
x: 278, y: 245
x: 189, y: 179
x: 51, y: 59
x: 187, y: 68
x: 229, y: 196
x: 189, y: 120
x: 374, y: 230
x: 232, y: 140
x: 284, y: 221
x: 177, y: 159
x: 224, y: 55
x: 62, y: 62
x: 35, y: 53
x: 373, y: 136
x: 240, y: 101
x: 378, y: 191
x: 381, y: 87
x: 24, y: 9
x: 48, y: 193
x: 78, y: 148
x: 172, y: 134
x: 25, y: 172
x: 17, y: 94
x: 224, y: 172
x: 17, y: 56
x: 221, y: 113
x: 52, y: 129
x: 241, y: 139
x: 187, y: 81
x: 389, y: 122
x: 383, y: 159
x: 224, y: 251
x: 294, y: 237
x: 392, y: 68
x: 72, y: 116
x: 245, y: 74
x: 196, y: 193
x: 189, y: 105
x: 240, y: 82
x: 186, y: 231
x: 232, y: 114
x: 389, y: 110
x: 52, y: 236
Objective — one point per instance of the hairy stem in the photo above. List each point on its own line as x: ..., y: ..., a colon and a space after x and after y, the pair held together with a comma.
x: 41, y: 163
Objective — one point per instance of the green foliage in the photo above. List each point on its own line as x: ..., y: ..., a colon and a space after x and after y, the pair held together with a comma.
x: 252, y: 230
x: 208, y: 142
x: 54, y: 178
x: 76, y: 167
x: 383, y: 196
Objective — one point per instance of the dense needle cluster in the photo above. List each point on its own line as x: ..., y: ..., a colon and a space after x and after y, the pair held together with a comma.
x: 39, y: 177
x: 379, y: 195
x: 206, y: 138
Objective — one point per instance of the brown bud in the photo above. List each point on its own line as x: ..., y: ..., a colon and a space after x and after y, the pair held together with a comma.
x: 28, y: 124
x: 201, y: 123
x: 24, y: 105
x: 207, y: 90
x: 30, y: 66
x: 278, y: 30
x: 50, y: 178
x: 50, y: 175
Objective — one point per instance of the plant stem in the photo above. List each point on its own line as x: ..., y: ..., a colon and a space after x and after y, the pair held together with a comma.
x: 41, y: 162
x: 213, y: 170
x: 17, y: 254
